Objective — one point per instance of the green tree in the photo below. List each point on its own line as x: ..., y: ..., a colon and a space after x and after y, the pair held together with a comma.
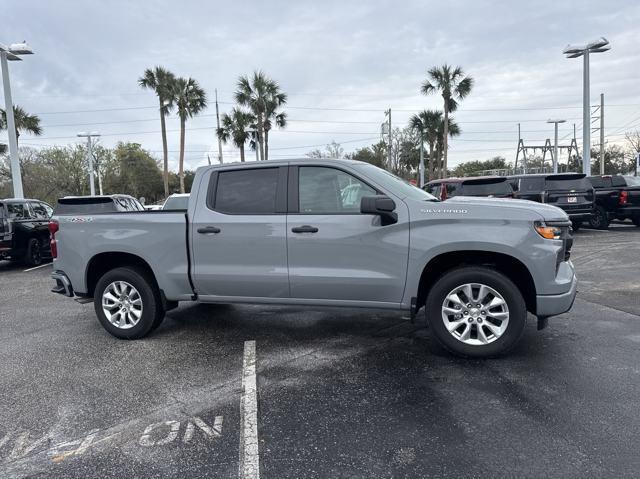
x: 476, y: 167
x: 263, y: 97
x: 236, y: 126
x: 453, y: 86
x: 134, y: 172
x: 190, y: 99
x: 161, y: 81
x: 332, y: 150
x: 616, y: 161
x: 374, y: 154
x: 428, y: 122
x: 25, y: 123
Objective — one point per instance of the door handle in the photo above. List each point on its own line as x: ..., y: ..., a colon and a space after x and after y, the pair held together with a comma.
x: 207, y: 230
x: 304, y: 229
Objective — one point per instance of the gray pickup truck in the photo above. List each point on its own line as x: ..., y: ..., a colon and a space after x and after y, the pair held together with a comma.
x: 322, y: 233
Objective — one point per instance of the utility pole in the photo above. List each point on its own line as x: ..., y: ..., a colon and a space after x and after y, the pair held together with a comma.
x: 421, y: 158
x: 218, y: 123
x: 602, y: 133
x: 555, y: 144
x: 88, y: 136
x: 388, y: 113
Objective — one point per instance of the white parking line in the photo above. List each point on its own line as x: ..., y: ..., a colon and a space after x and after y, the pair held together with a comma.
x: 37, y: 267
x: 249, y: 467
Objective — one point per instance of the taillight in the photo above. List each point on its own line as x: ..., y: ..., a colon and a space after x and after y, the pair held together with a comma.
x: 53, y: 229
x: 624, y: 198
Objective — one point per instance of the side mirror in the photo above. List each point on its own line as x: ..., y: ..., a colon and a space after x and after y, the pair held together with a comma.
x: 380, y: 205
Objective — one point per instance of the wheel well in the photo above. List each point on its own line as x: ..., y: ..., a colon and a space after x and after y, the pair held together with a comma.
x: 104, y: 262
x: 511, y: 267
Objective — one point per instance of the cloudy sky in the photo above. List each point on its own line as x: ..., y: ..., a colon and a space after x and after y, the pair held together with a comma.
x: 342, y: 64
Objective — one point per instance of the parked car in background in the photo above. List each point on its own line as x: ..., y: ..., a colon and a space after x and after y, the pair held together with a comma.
x: 152, y: 207
x: 487, y: 186
x: 97, y: 204
x: 617, y: 197
x: 571, y: 192
x: 178, y: 201
x: 24, y: 233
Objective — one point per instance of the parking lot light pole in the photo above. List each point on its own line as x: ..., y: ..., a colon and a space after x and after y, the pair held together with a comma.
x: 88, y: 136
x: 575, y: 51
x: 555, y: 144
x: 7, y: 54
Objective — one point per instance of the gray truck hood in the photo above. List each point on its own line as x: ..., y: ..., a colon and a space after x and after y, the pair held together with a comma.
x: 548, y: 212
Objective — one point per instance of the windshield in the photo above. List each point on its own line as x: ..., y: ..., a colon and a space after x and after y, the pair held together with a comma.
x: 486, y: 189
x: 632, y: 180
x: 394, y: 183
x: 176, y: 203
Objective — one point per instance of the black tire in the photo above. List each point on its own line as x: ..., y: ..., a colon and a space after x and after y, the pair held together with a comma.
x: 599, y: 219
x: 152, y: 311
x: 489, y: 277
x: 576, y: 224
x: 33, y: 256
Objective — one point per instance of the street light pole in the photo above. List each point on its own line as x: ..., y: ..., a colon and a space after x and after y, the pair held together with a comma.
x: 7, y: 54
x: 597, y: 46
x: 555, y: 144
x: 88, y: 136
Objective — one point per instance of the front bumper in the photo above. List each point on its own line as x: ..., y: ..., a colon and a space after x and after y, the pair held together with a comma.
x: 63, y: 285
x: 554, y: 304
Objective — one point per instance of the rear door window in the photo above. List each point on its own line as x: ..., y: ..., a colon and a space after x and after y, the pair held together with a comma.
x: 18, y: 211
x: 486, y: 189
x: 568, y: 184
x: 247, y: 192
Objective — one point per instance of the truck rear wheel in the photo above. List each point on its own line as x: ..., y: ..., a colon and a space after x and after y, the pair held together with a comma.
x: 33, y: 256
x: 476, y: 312
x: 599, y: 220
x: 127, y: 303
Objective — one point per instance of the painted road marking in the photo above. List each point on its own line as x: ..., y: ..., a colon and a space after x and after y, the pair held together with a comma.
x: 37, y: 267
x: 249, y: 467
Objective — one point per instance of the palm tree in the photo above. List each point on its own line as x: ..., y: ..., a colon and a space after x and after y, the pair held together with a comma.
x: 452, y: 129
x: 237, y: 127
x: 271, y: 115
x: 427, y: 123
x: 25, y: 123
x: 161, y: 80
x: 453, y: 86
x: 262, y: 96
x: 190, y: 99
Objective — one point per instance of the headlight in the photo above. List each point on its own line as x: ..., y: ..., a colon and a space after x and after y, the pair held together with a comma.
x: 547, y: 232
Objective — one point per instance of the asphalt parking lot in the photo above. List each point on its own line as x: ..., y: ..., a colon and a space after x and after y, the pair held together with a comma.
x: 344, y: 394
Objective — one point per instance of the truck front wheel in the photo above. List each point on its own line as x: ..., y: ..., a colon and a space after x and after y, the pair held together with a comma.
x: 476, y: 312
x: 127, y: 303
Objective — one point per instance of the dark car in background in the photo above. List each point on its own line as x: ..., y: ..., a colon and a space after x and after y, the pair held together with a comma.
x: 488, y: 186
x: 617, y: 197
x: 70, y: 205
x: 24, y: 233
x: 571, y: 192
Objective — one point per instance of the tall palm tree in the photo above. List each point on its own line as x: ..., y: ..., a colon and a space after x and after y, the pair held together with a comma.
x: 25, y: 123
x: 454, y: 86
x: 160, y: 80
x: 190, y: 99
x: 272, y: 117
x: 427, y: 122
x: 237, y: 127
x: 263, y: 97
x: 452, y: 129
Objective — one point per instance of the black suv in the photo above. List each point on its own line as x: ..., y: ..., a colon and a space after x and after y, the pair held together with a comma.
x: 24, y: 230
x: 617, y: 197
x: 571, y: 192
x: 79, y: 205
x: 489, y: 186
